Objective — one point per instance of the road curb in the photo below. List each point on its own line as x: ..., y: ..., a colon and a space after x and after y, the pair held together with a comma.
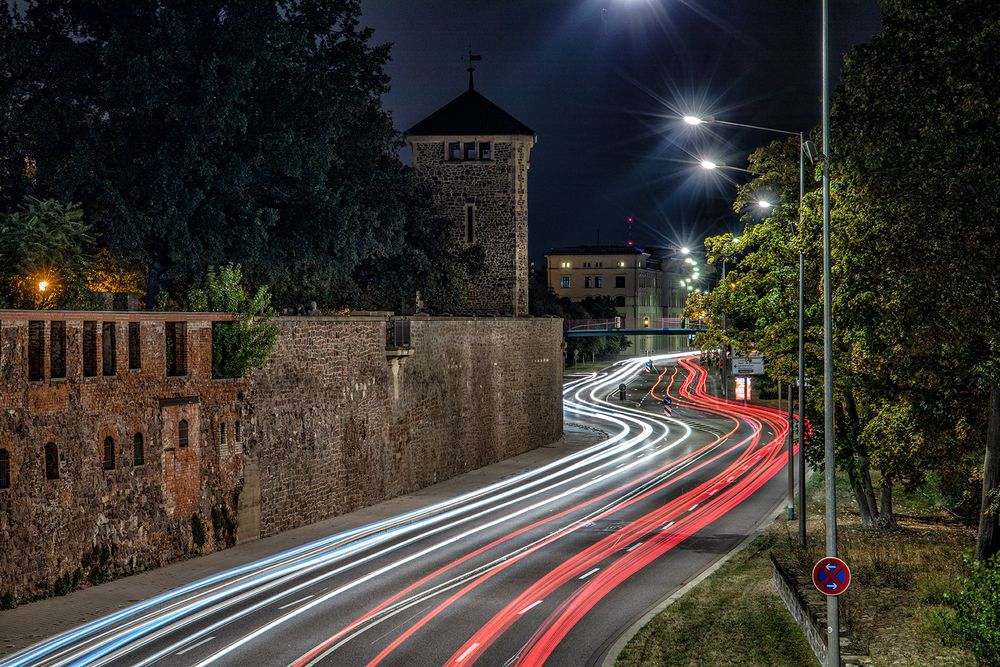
x: 611, y: 656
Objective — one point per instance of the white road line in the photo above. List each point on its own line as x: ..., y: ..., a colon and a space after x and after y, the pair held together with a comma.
x: 529, y: 607
x: 292, y: 604
x: 587, y: 574
x: 668, y: 525
x: 693, y: 507
x: 467, y: 652
x: 634, y: 547
x: 194, y: 646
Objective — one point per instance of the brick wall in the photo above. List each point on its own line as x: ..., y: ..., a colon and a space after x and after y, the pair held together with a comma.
x: 332, y: 423
x: 93, y: 510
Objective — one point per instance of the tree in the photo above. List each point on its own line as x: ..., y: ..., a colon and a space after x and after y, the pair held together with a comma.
x: 427, y: 268
x: 247, y: 342
x: 45, y: 250
x: 198, y: 133
x: 916, y: 140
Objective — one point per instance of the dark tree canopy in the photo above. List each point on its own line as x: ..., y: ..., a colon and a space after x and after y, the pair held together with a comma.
x: 200, y: 133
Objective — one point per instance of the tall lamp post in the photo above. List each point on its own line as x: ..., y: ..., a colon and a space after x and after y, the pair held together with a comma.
x: 707, y: 164
x: 829, y: 453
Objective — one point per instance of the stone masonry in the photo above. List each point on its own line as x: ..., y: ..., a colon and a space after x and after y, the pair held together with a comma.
x: 497, y: 190
x: 337, y: 425
x: 333, y: 422
x: 97, y: 483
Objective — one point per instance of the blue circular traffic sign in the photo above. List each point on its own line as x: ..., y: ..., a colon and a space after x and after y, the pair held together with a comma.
x: 831, y: 576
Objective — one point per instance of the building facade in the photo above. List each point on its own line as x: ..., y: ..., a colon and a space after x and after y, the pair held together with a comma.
x: 476, y: 157
x: 645, y: 288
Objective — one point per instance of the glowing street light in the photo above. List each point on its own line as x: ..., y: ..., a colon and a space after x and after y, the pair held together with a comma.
x: 688, y: 260
x: 685, y: 250
x: 693, y: 120
x: 42, y: 285
x: 708, y: 164
x: 764, y: 204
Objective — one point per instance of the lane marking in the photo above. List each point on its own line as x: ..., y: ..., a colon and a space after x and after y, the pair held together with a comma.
x: 668, y: 525
x: 634, y: 547
x: 693, y: 507
x: 467, y: 652
x: 587, y: 574
x: 292, y: 604
x: 194, y: 646
x: 529, y: 607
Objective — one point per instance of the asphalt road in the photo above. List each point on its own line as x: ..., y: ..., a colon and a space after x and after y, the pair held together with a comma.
x: 545, y: 567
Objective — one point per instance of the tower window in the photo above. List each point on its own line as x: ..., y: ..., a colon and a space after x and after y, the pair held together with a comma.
x: 51, y: 461
x: 138, y: 450
x: 470, y: 150
x: 470, y: 223
x: 454, y: 151
x: 485, y: 150
x: 109, y: 453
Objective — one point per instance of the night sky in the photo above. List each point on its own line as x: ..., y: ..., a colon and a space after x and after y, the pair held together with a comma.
x: 601, y: 83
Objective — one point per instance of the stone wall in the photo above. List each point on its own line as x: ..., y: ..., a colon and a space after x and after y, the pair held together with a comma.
x: 498, y: 190
x: 335, y: 421
x: 338, y: 425
x: 808, y: 607
x: 97, y: 483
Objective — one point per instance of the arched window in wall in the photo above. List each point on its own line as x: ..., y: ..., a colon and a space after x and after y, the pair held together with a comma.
x: 138, y: 450
x: 109, y: 453
x: 51, y: 461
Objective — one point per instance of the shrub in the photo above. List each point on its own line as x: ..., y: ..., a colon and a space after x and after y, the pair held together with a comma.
x: 246, y: 342
x: 198, y: 530
x: 976, y: 618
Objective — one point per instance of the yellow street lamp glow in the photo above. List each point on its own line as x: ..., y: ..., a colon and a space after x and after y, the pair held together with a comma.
x: 693, y: 120
x: 42, y: 285
x: 736, y: 239
x: 708, y: 164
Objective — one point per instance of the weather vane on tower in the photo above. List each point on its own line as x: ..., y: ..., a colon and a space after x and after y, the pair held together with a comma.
x: 473, y: 57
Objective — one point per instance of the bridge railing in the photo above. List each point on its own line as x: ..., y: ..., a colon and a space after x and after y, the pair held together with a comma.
x: 631, y: 323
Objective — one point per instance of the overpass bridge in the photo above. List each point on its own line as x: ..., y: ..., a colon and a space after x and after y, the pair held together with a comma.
x: 626, y: 326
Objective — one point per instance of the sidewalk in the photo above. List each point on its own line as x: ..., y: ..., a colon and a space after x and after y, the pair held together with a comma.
x: 30, y: 623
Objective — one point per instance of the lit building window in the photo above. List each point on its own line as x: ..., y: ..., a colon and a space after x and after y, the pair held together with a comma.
x: 564, y: 283
x: 598, y: 282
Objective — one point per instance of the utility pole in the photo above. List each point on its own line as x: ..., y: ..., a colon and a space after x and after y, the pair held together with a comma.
x: 802, y: 353
x: 791, y: 459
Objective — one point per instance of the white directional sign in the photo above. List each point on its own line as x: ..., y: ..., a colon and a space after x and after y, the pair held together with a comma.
x: 752, y: 365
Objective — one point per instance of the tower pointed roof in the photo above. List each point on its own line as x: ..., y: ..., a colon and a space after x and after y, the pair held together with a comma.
x: 469, y: 114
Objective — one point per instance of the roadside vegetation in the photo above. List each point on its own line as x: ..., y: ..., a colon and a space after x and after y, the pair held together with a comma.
x: 901, y: 608
x: 916, y: 323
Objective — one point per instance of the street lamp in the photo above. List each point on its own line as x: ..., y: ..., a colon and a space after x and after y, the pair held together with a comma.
x: 685, y: 250
x: 805, y: 149
x: 42, y: 285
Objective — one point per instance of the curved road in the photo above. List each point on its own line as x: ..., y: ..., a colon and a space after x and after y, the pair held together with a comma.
x: 547, y: 567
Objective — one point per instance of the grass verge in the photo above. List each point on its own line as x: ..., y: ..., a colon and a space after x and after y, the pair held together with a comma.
x: 893, y: 609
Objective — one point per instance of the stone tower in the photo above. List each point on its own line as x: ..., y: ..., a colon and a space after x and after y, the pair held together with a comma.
x: 476, y: 157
